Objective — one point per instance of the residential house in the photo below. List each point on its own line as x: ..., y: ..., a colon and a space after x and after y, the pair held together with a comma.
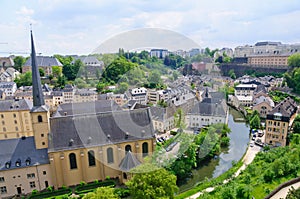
x: 279, y: 121
x: 9, y: 88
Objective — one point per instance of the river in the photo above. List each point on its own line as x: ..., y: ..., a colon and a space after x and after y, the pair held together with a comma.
x: 239, y: 138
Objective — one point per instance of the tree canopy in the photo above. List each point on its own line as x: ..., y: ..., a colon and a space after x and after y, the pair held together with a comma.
x: 151, y: 182
x: 294, y: 60
x: 24, y: 79
x: 101, y: 193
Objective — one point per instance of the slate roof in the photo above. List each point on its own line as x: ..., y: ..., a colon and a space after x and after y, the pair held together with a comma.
x: 44, y: 61
x: 12, y: 105
x: 286, y: 108
x: 21, y: 149
x: 86, y: 108
x: 261, y: 99
x: 89, y: 130
x: 129, y: 162
x: 157, y: 113
x: 5, y: 85
x: 208, y: 109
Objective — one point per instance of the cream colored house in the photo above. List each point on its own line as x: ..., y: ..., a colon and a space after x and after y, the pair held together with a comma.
x: 278, y: 122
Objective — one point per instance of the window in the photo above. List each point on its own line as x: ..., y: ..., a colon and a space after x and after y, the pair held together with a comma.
x: 17, y: 129
x: 44, y: 172
x: 73, y: 163
x: 32, y: 184
x: 110, y: 155
x: 91, y: 157
x: 4, y: 129
x: 16, y: 122
x: 2, y: 179
x: 42, y: 135
x: 30, y: 175
x: 3, y: 190
x: 127, y: 148
x: 15, y: 115
x: 43, y: 143
x: 40, y: 119
x: 3, y: 122
x: 2, y: 116
x: 145, y: 149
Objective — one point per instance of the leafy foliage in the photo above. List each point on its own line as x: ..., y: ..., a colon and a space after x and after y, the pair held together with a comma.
x: 24, y: 79
x: 294, y: 60
x: 102, y: 193
x: 19, y: 61
x: 150, y: 182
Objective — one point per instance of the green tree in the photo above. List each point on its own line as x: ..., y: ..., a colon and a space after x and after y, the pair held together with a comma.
x: 294, y: 60
x: 70, y: 71
x: 255, y: 122
x: 154, y: 77
x: 231, y: 74
x: 293, y: 193
x: 42, y: 72
x: 122, y: 87
x: 24, y: 79
x: 179, y: 119
x: 102, y: 193
x: 19, y: 61
x: 117, y: 69
x: 56, y: 71
x: 151, y: 182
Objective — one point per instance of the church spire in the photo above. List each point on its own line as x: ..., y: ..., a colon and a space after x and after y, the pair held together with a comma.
x: 38, y: 98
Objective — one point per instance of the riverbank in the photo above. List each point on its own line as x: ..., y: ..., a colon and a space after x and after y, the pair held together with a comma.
x: 247, y: 159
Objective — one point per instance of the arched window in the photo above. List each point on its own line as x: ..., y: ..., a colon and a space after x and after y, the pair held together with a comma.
x: 40, y: 119
x: 145, y: 149
x: 110, y: 155
x: 91, y: 156
x: 128, y: 148
x: 73, y: 163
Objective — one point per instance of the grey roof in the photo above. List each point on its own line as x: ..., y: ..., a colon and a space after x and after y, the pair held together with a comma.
x: 157, y: 113
x: 86, y: 107
x: 13, y: 105
x: 129, y: 162
x: 21, y: 149
x: 89, y: 130
x: 208, y: 108
x: 85, y: 92
x: 88, y: 60
x: 286, y: 107
x: 261, y: 99
x: 44, y: 61
x: 4, y: 85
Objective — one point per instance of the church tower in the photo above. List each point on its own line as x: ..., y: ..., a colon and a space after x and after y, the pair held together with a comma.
x: 40, y: 112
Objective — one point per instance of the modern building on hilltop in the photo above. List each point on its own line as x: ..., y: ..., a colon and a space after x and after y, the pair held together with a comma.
x: 279, y: 121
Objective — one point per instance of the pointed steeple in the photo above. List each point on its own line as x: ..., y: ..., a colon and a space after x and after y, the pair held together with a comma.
x: 38, y: 98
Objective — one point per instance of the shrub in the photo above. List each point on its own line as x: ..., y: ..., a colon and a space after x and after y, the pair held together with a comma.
x: 34, y: 192
x: 82, y: 183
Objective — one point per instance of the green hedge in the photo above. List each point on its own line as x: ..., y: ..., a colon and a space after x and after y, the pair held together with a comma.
x: 52, y: 194
x: 90, y: 187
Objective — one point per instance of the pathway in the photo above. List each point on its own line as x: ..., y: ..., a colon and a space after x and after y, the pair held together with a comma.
x: 283, y: 192
x: 248, y: 158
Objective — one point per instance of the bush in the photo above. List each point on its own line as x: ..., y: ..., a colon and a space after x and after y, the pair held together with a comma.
x: 82, y: 183
x: 122, y: 192
x: 34, y: 192
x: 90, y: 187
x: 53, y: 194
x: 173, y: 132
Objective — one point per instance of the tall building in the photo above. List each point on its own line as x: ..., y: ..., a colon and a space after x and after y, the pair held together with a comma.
x: 278, y: 122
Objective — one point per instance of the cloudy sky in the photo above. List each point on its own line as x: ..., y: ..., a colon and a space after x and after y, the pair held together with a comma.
x: 80, y: 26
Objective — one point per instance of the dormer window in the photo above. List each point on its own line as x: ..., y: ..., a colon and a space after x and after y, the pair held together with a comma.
x: 28, y: 161
x: 18, y: 163
x: 7, y: 164
x: 71, y: 142
x: 126, y: 135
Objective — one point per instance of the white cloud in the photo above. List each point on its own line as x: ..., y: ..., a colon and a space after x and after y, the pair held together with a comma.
x: 25, y: 11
